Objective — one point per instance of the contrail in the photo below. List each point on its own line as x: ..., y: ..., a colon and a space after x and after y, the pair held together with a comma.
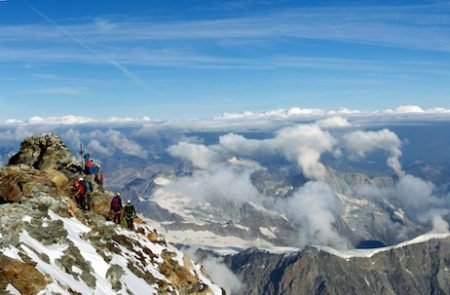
x: 114, y: 63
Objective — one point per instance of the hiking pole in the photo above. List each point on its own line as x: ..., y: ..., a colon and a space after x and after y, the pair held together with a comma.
x: 81, y: 154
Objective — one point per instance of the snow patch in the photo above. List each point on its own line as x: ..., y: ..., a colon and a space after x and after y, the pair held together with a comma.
x: 268, y: 232
x: 367, y: 253
x: 161, y: 181
x: 27, y: 219
x: 13, y: 291
x: 11, y: 252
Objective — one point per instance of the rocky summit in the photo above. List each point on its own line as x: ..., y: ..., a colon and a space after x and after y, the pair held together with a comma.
x: 49, y: 246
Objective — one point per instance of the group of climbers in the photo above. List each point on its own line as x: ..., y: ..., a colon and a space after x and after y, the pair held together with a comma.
x: 82, y: 187
x: 128, y: 211
x: 82, y: 190
x: 91, y: 167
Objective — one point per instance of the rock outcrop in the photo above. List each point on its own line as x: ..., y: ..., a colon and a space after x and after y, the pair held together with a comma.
x: 46, y: 162
x: 49, y: 246
x: 419, y: 268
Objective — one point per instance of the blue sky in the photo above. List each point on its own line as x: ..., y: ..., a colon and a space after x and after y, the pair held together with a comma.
x: 178, y: 59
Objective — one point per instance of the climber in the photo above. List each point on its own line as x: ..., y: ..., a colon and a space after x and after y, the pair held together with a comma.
x: 88, y: 195
x: 100, y: 178
x: 79, y: 191
x: 116, y: 207
x: 86, y: 157
x: 87, y: 166
x: 91, y: 168
x: 129, y: 214
x: 96, y: 172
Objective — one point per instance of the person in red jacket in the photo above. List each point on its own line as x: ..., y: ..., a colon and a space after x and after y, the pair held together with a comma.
x: 79, y: 191
x: 87, y: 166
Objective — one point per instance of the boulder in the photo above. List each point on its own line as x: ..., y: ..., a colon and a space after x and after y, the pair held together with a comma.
x: 19, y: 275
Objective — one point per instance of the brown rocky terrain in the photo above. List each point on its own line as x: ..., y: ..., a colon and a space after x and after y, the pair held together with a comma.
x: 50, y: 246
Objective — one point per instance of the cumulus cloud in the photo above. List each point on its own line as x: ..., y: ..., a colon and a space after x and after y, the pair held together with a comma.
x: 16, y: 134
x: 217, y: 270
x: 227, y: 183
x: 303, y: 144
x: 414, y: 195
x: 95, y: 146
x: 316, y: 208
x: 439, y: 225
x: 199, y: 155
x: 333, y: 122
x: 222, y: 275
x: 363, y: 142
x: 107, y: 142
x: 72, y: 138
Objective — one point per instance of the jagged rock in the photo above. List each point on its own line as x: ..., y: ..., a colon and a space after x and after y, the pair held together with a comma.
x: 114, y: 274
x: 20, y: 275
x: 46, y: 151
x: 420, y: 268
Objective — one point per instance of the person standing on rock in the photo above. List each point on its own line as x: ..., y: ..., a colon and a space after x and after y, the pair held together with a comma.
x: 88, y: 195
x: 101, y: 178
x: 79, y: 191
x: 129, y: 214
x: 116, y: 207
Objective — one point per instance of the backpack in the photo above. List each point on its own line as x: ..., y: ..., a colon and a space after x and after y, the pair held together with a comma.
x: 129, y: 211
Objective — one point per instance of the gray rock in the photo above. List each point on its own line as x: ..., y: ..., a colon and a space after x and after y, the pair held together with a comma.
x: 421, y: 268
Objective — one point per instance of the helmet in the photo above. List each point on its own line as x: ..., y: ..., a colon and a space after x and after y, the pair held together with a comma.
x: 118, y: 194
x: 129, y: 202
x: 81, y: 179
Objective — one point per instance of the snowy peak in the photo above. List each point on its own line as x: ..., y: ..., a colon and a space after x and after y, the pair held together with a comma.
x: 46, y: 240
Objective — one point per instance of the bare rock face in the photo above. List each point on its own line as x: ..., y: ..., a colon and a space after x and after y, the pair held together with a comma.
x: 421, y: 268
x: 45, y: 152
x: 44, y: 161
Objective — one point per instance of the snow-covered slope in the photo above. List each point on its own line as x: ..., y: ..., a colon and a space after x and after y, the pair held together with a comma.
x: 49, y: 246
x: 136, y: 266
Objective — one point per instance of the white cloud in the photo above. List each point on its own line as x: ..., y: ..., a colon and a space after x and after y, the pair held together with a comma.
x: 72, y: 138
x: 220, y: 183
x: 302, y: 144
x: 440, y: 225
x: 406, y: 109
x: 77, y: 120
x: 316, y: 208
x: 363, y: 142
x: 63, y: 120
x: 333, y: 122
x: 222, y: 275
x: 217, y: 270
x: 125, y: 145
x: 95, y: 146
x: 199, y: 155
x: 16, y: 134
x: 414, y: 195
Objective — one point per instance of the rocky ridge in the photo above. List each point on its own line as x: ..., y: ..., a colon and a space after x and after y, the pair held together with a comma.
x: 416, y: 268
x: 47, y: 240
